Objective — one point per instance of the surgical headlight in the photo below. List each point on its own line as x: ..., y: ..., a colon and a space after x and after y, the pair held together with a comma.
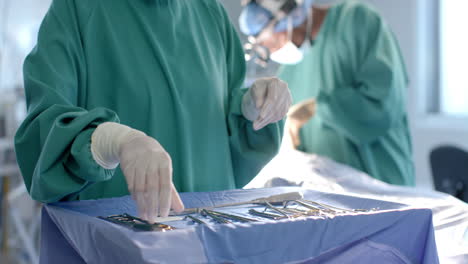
x: 276, y: 7
x: 263, y: 17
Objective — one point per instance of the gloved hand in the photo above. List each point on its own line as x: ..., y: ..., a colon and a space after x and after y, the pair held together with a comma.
x: 298, y: 115
x: 267, y: 101
x: 144, y: 162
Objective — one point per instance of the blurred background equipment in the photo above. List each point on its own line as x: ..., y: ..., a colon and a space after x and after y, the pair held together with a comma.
x: 20, y: 216
x: 450, y: 171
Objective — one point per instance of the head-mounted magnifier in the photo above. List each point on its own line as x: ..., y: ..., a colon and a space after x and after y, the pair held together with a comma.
x: 279, y: 9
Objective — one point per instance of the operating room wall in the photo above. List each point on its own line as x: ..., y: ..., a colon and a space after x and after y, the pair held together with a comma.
x: 415, y: 24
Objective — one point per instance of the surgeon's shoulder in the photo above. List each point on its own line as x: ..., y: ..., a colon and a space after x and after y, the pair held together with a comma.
x: 79, y: 9
x: 352, y: 13
x: 219, y: 16
x: 357, y: 23
x: 215, y: 8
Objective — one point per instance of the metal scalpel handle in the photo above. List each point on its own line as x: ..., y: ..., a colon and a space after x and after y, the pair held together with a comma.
x: 273, y: 199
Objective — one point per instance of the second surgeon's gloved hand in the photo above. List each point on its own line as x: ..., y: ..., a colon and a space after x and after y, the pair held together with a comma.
x: 144, y: 162
x: 266, y: 102
x: 298, y: 115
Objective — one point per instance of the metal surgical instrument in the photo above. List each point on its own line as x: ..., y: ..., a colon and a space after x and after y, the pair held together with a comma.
x: 267, y: 215
x: 136, y: 223
x: 196, y: 220
x: 279, y: 198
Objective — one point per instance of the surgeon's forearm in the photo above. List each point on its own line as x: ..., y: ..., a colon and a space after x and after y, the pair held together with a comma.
x: 356, y: 116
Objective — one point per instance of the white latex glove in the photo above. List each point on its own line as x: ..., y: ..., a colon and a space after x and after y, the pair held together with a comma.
x: 266, y: 102
x: 144, y: 162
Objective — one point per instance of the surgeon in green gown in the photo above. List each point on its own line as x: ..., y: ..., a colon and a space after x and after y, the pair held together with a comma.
x: 346, y: 58
x: 161, y: 80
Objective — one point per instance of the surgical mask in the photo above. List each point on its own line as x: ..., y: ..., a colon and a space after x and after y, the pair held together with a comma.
x: 290, y: 54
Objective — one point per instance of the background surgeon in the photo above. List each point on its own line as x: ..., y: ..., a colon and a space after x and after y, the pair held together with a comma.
x: 154, y: 86
x: 343, y: 63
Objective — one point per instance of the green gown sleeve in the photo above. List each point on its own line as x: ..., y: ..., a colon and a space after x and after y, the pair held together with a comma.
x: 367, y: 106
x: 53, y: 143
x: 250, y: 149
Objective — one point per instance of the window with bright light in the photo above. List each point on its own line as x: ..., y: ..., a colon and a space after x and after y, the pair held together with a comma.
x: 454, y: 57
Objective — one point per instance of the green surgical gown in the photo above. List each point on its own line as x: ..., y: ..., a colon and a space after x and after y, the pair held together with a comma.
x: 356, y: 72
x: 170, y: 68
